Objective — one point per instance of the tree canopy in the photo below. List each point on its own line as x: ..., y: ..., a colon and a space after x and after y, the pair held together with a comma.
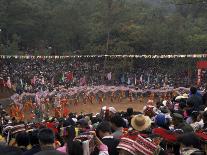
x: 106, y: 26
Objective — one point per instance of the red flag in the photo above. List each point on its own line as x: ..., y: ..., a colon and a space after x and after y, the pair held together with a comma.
x: 69, y: 76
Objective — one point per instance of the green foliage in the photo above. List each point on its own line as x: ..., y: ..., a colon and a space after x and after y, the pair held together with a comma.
x: 128, y: 26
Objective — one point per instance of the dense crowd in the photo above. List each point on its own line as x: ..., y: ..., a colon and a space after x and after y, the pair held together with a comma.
x: 39, y: 74
x: 175, y: 125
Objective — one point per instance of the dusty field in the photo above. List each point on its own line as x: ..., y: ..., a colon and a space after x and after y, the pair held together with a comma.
x: 120, y: 106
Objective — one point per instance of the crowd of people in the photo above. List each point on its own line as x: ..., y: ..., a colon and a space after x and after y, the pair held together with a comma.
x: 174, y: 125
x: 32, y: 75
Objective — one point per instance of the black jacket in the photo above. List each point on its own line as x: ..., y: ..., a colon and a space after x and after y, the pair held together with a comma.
x: 111, y: 144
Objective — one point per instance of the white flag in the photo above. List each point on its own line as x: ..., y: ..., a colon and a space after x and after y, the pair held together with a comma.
x: 135, y: 80
x: 109, y: 76
x: 141, y: 78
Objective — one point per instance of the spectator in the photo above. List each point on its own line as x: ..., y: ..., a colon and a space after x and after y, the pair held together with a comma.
x: 117, y: 124
x: 8, y: 150
x: 46, y: 140
x: 82, y: 147
x: 141, y: 123
x: 194, y: 100
x: 205, y: 120
x: 179, y: 123
x: 161, y: 120
x: 22, y: 140
x: 196, y: 124
x: 190, y: 144
x: 76, y: 148
x: 104, y: 132
x: 68, y: 134
x: 34, y: 141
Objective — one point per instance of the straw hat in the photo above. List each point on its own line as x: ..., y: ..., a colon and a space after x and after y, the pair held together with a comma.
x: 141, y: 122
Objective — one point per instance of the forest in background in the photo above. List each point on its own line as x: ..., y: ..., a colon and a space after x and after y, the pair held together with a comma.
x: 103, y: 26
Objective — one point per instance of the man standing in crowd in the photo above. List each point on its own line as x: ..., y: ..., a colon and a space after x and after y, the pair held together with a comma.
x: 47, y: 140
x: 104, y: 132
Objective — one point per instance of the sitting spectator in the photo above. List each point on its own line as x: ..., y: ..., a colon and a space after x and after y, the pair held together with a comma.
x: 104, y: 132
x: 22, y: 140
x: 46, y: 140
x: 117, y: 124
x: 34, y: 141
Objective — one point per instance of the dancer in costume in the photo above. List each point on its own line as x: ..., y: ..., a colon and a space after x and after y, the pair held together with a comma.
x: 130, y: 96
x: 112, y: 96
x: 101, y: 99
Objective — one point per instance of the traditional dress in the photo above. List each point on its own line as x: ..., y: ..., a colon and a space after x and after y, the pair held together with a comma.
x: 130, y: 96
x: 64, y: 109
x: 101, y: 99
x: 91, y: 98
x: 112, y: 96
x: 141, y: 98
x: 57, y: 112
x: 27, y: 106
x: 76, y: 100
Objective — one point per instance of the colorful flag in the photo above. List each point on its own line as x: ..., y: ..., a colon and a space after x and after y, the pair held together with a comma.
x: 148, y: 79
x: 122, y: 79
x: 69, y: 76
x: 135, y: 80
x: 109, y: 76
x: 141, y: 78
x: 128, y: 81
x: 63, y: 78
x: 83, y: 81
x: 21, y: 83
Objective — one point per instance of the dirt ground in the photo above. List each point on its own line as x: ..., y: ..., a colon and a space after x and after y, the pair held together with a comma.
x: 119, y: 106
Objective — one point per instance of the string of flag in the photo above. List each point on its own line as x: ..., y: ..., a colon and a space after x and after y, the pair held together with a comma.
x: 103, y: 56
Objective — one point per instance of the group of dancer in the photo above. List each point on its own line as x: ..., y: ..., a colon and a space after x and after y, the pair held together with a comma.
x: 59, y: 106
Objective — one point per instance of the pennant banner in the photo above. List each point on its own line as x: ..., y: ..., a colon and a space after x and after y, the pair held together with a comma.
x: 109, y: 56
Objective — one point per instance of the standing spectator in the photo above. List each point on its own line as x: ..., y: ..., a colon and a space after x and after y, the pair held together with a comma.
x: 46, y: 140
x: 195, y: 100
x: 104, y: 132
x: 68, y: 134
x: 34, y: 141
x: 117, y: 124
x: 8, y: 150
x: 22, y: 140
